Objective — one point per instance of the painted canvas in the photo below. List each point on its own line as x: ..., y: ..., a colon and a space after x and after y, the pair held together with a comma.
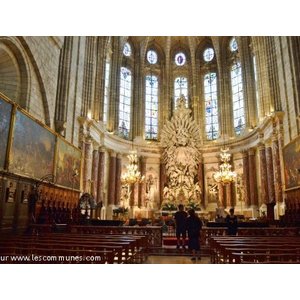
x: 68, y: 165
x: 291, y: 158
x: 5, y: 117
x: 33, y: 148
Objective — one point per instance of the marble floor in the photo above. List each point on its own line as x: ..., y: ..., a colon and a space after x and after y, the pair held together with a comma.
x: 175, y: 260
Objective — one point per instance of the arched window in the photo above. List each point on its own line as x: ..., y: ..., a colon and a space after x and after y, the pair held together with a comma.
x: 180, y: 59
x: 237, y: 97
x: 106, y: 91
x: 233, y: 45
x: 151, y: 108
x: 152, y: 57
x: 208, y: 54
x: 127, y: 49
x: 180, y: 88
x: 125, y: 102
x: 211, y: 106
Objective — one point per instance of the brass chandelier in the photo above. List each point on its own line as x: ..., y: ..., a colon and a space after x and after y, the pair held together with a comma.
x: 225, y: 175
x: 132, y: 175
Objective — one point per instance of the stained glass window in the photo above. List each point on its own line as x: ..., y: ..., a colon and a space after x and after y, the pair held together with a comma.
x: 180, y: 88
x: 180, y: 59
x: 125, y: 102
x: 151, y: 121
x: 256, y: 83
x: 233, y: 45
x: 237, y: 97
x: 208, y: 54
x: 211, y: 106
x: 127, y: 49
x: 152, y: 57
x: 106, y: 91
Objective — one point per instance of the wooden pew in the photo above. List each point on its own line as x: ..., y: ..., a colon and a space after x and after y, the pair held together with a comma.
x: 223, y: 247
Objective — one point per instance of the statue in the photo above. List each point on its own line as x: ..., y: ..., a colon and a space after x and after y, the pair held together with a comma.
x: 180, y: 139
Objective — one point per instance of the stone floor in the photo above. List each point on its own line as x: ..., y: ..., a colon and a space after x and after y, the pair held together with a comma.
x: 175, y: 260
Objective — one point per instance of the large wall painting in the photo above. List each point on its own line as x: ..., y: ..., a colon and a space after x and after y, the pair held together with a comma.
x: 291, y: 158
x: 33, y: 148
x: 68, y: 165
x: 5, y: 117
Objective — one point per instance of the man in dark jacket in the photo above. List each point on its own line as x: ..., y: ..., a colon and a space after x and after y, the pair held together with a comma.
x: 232, y: 223
x: 180, y: 223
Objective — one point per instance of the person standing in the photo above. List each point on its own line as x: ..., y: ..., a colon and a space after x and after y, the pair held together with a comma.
x: 194, y: 225
x: 180, y: 223
x: 232, y: 223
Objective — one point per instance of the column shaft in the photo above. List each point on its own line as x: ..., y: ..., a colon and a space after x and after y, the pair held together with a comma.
x: 95, y: 166
x: 277, y: 170
x: 163, y: 180
x: 252, y: 178
x: 100, y: 175
x: 87, y: 169
x: 118, y: 179
x: 201, y: 183
x: 270, y: 174
x: 112, y: 178
x: 246, y: 179
x: 263, y: 175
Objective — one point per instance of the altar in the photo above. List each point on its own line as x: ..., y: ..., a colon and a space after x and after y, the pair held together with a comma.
x: 180, y: 139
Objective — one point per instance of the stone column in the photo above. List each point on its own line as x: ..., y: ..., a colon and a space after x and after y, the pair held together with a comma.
x: 163, y: 179
x: 63, y: 84
x: 95, y: 165
x: 224, y: 92
x: 87, y: 165
x: 252, y: 178
x: 248, y: 80
x: 131, y: 191
x: 270, y: 174
x: 277, y: 170
x: 201, y: 183
x: 263, y: 174
x: 112, y: 178
x: 228, y: 195
x: 118, y: 178
x: 113, y: 111
x: 101, y: 154
x: 222, y: 199
x: 142, y: 185
x: 246, y: 178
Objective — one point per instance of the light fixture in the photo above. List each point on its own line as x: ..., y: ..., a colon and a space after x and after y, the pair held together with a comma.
x: 225, y: 175
x: 132, y: 174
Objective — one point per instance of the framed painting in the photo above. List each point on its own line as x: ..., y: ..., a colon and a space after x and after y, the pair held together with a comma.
x: 291, y: 159
x: 5, y: 118
x: 67, y: 165
x: 33, y: 148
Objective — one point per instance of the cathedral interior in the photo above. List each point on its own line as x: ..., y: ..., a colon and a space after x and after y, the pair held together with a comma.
x: 126, y: 128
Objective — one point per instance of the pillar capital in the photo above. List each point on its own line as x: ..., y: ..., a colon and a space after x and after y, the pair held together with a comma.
x: 112, y: 153
x: 244, y: 153
x: 102, y: 149
x: 261, y: 147
x: 251, y: 151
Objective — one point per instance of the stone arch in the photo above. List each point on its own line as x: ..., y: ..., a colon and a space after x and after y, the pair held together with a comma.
x: 14, y: 72
x: 40, y: 81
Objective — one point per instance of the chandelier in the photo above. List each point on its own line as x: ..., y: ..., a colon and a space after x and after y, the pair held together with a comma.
x: 225, y: 175
x: 132, y: 175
